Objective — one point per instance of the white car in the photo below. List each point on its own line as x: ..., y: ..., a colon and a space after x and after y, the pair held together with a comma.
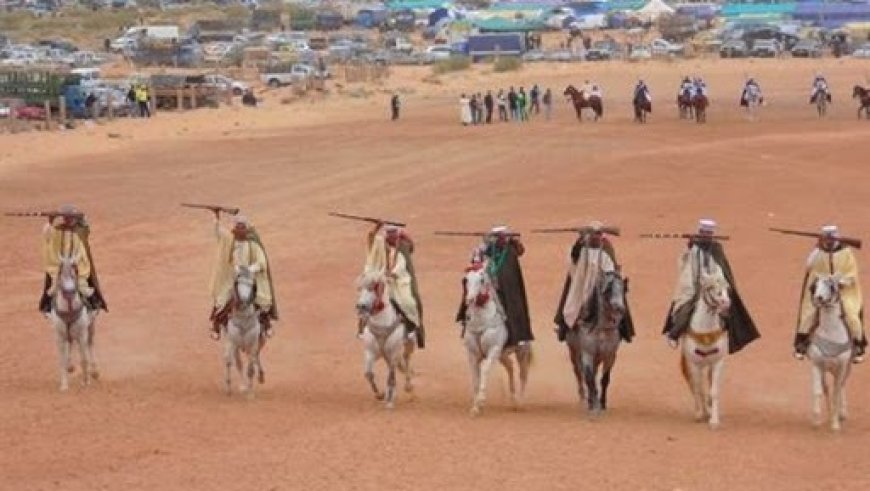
x: 438, y: 52
x: 862, y: 52
x: 663, y: 47
x: 226, y: 83
x: 640, y: 53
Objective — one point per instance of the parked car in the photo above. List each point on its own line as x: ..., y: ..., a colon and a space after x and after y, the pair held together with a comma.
x: 226, y: 83
x: 534, y: 55
x: 640, y: 52
x: 734, y: 48
x: 438, y: 52
x: 807, y: 48
x: 862, y: 51
x: 765, y: 48
x: 295, y: 74
x: 603, y: 50
x: 663, y: 47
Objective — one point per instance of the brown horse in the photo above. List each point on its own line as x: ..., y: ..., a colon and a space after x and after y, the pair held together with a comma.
x: 863, y: 96
x: 699, y: 105
x: 684, y: 103
x: 580, y: 101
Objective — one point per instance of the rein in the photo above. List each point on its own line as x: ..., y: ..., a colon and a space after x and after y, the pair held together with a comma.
x: 71, y: 315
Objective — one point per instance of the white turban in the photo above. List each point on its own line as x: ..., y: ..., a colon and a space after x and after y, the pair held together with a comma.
x: 706, y: 225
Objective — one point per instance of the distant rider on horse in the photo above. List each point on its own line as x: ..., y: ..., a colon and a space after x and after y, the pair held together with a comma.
x: 832, y: 257
x: 240, y: 247
x: 641, y: 90
x: 820, y: 86
x: 66, y: 235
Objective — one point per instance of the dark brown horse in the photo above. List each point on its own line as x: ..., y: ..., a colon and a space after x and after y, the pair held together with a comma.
x: 578, y: 98
x: 699, y: 105
x: 863, y: 96
x: 684, y: 103
x: 642, y: 106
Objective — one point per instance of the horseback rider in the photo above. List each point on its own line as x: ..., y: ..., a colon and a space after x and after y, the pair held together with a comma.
x: 751, y: 89
x: 592, y: 255
x: 641, y: 89
x: 240, y: 247
x: 702, y: 249
x: 586, y: 90
x: 700, y: 87
x: 686, y: 87
x: 820, y: 86
x: 502, y: 251
x: 596, y: 92
x: 830, y: 256
x: 390, y: 252
x: 66, y: 235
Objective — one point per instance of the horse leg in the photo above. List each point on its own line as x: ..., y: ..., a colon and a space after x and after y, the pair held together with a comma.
x: 844, y: 412
x: 696, y: 384
x: 92, y: 359
x: 818, y: 393
x: 370, y: 374
x: 228, y: 365
x: 63, y: 349
x: 508, y: 364
x: 407, y: 368
x: 391, y: 386
x: 605, y: 379
x: 578, y: 373
x: 589, y: 378
x: 82, y: 340
x: 715, y: 386
x: 249, y: 376
x: 474, y: 365
x: 493, y: 355
x: 524, y: 360
x: 237, y: 354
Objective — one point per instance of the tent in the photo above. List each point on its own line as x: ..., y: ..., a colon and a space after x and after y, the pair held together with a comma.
x: 653, y: 10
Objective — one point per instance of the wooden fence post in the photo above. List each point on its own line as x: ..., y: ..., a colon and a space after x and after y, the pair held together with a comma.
x: 110, y: 110
x: 62, y: 109
x: 47, y: 115
x: 179, y: 99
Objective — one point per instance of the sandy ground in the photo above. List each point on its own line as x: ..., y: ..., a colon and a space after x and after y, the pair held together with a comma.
x: 158, y: 419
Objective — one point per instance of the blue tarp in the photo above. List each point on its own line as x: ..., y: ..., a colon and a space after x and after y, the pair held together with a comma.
x: 497, y: 24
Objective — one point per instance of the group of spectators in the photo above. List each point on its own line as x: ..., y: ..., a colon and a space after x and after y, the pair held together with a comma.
x: 511, y: 105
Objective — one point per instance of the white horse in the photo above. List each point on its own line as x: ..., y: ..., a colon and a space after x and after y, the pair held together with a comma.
x: 705, y: 344
x: 384, y: 336
x: 485, y: 336
x: 243, y: 334
x: 73, y: 322
x: 830, y: 350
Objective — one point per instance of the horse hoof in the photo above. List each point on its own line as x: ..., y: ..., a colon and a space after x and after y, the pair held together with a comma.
x: 390, y: 405
x: 64, y: 388
x: 95, y: 375
x: 409, y: 388
x: 836, y: 427
x: 715, y: 425
x: 379, y: 396
x: 71, y: 369
x: 475, y: 412
x: 261, y: 378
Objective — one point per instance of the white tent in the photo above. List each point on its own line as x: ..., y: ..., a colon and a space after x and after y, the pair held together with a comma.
x: 652, y: 10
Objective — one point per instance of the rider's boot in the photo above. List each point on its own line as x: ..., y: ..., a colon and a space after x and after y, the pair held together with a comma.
x: 801, y: 343
x: 266, y: 322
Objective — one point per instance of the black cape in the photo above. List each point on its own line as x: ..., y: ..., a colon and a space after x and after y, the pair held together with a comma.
x: 626, y: 328
x: 511, y: 291
x: 741, y: 329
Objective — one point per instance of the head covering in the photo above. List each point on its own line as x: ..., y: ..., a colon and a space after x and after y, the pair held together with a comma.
x: 241, y: 221
x: 706, y: 225
x: 391, y: 228
x: 499, y: 229
x: 68, y: 209
x: 831, y: 231
x: 595, y: 226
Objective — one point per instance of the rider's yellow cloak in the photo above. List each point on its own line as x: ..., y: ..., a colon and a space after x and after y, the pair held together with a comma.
x: 840, y: 262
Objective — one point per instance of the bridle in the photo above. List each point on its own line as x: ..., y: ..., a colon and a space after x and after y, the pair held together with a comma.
x: 378, y: 305
x: 484, y: 293
x: 611, y: 313
x: 835, y: 296
x: 69, y: 273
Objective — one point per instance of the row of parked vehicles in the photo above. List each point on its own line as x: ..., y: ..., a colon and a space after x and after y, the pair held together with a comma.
x: 772, y: 48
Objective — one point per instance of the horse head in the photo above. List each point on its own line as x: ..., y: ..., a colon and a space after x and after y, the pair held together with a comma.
x: 612, y: 290
x: 68, y: 274
x: 244, y: 286
x: 825, y: 290
x: 714, y: 291
x: 372, y: 286
x: 478, y: 287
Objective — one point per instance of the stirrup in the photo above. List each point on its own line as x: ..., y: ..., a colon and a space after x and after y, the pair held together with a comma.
x: 799, y: 356
x: 215, y: 335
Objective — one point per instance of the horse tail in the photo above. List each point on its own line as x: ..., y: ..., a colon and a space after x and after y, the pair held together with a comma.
x: 684, y: 368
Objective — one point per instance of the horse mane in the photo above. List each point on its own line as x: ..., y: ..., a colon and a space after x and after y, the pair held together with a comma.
x: 370, y: 276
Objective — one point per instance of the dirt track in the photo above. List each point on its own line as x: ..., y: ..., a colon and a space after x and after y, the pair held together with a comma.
x: 158, y: 419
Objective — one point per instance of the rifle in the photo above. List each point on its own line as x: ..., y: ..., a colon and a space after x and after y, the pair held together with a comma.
x: 214, y: 208
x: 365, y: 219
x: 586, y: 229
x: 48, y: 214
x: 474, y: 234
x: 683, y: 236
x: 849, y: 241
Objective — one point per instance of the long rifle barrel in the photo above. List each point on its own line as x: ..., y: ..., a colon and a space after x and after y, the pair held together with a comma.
x: 365, y: 219
x: 683, y: 236
x: 447, y: 233
x: 579, y: 230
x: 215, y: 208
x: 849, y: 241
x: 48, y: 214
